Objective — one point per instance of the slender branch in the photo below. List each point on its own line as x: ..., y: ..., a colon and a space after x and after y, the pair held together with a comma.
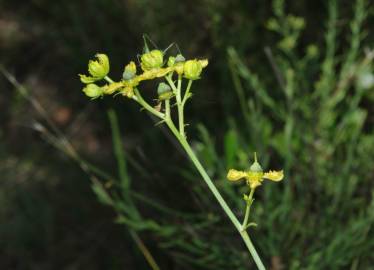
x: 180, y: 106
x: 146, y: 106
x: 172, y: 84
x: 177, y: 92
x: 186, y: 94
x: 167, y: 109
x: 216, y: 193
x: 249, y: 202
x: 108, y: 79
x: 179, y: 134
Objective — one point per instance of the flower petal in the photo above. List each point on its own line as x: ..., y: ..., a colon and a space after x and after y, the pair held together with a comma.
x: 87, y: 79
x: 274, y: 175
x: 234, y: 175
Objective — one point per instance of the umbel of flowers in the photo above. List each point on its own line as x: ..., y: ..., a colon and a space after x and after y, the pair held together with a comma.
x: 152, y: 66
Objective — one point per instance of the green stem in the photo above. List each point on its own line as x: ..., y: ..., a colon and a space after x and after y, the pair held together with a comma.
x: 180, y: 106
x: 179, y: 134
x: 248, y: 209
x: 109, y: 80
x: 186, y: 95
x: 216, y: 193
x: 167, y: 109
x: 177, y: 92
x: 146, y: 106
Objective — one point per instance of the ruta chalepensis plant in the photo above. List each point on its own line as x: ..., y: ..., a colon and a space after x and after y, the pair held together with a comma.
x: 171, y: 74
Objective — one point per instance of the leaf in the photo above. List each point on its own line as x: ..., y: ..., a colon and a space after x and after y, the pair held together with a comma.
x: 101, y: 193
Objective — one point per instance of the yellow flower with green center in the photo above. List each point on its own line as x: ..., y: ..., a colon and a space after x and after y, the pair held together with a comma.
x: 98, y: 69
x: 151, y: 60
x: 255, y: 175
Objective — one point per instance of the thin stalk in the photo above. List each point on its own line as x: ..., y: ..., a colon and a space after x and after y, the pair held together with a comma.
x: 145, y: 251
x: 177, y: 92
x: 167, y: 109
x: 248, y: 209
x: 180, y: 106
x: 179, y: 134
x: 108, y: 79
x: 146, y: 106
x: 186, y: 94
x: 216, y: 193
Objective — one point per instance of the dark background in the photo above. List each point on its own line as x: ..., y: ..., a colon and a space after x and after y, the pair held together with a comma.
x: 320, y: 217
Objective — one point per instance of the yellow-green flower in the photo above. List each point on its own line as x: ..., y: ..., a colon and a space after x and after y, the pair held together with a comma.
x: 130, y: 71
x: 154, y: 73
x: 93, y: 91
x: 192, y: 68
x: 112, y: 87
x: 171, y: 61
x: 98, y: 69
x: 255, y: 175
x: 175, y: 60
x: 151, y: 60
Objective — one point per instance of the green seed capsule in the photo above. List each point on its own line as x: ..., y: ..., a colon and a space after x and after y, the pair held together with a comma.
x: 255, y: 167
x: 164, y: 91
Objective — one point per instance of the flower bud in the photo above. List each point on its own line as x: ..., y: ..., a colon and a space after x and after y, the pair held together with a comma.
x: 151, y: 60
x: 255, y: 167
x: 164, y: 91
x: 179, y: 68
x: 192, y: 69
x: 171, y: 61
x: 130, y: 71
x: 179, y: 58
x: 99, y: 68
x: 93, y: 91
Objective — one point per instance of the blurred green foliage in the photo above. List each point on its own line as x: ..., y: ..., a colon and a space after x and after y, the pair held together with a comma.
x: 300, y: 93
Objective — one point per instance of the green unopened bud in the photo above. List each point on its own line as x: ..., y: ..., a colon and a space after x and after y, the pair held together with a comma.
x: 176, y: 60
x: 255, y: 167
x: 192, y: 69
x: 130, y: 71
x: 179, y: 58
x: 93, y: 91
x: 151, y: 60
x: 164, y: 91
x: 171, y: 61
x: 99, y: 68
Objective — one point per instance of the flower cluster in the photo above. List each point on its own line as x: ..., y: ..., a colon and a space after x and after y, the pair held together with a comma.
x: 152, y: 65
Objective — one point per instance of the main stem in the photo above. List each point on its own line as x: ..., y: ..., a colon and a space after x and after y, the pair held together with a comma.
x: 183, y: 141
x: 216, y: 194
